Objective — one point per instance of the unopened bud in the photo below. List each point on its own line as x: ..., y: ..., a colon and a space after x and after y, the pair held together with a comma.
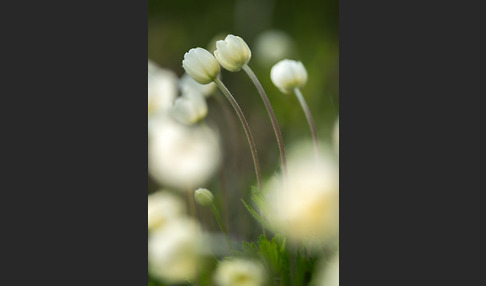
x: 232, y: 53
x: 288, y: 74
x: 203, y: 197
x: 201, y: 65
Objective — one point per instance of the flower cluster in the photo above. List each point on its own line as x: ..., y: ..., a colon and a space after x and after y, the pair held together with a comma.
x: 175, y: 244
x: 298, y: 205
x: 182, y: 153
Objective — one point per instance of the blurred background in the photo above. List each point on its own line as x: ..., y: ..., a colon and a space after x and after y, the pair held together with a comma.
x: 302, y: 30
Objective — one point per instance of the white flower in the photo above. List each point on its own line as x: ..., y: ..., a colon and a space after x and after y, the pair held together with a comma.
x: 187, y: 84
x: 163, y: 207
x: 162, y: 89
x: 203, y: 197
x: 273, y: 46
x: 288, y: 74
x: 190, y: 108
x: 174, y: 253
x: 307, y: 209
x: 182, y: 157
x: 201, y: 65
x: 232, y: 53
x: 240, y: 272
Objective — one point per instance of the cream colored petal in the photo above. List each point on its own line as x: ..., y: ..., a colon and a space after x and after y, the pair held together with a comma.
x: 246, y: 50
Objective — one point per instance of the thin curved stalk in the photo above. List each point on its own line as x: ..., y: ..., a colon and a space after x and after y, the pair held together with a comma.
x: 308, y: 114
x: 242, y: 118
x: 271, y: 114
x: 218, y: 219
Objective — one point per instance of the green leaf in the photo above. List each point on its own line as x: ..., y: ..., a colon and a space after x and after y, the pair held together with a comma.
x: 256, y: 215
x: 251, y: 249
x: 269, y: 252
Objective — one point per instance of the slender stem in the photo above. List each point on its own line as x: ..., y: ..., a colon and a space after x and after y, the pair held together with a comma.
x: 242, y: 118
x: 218, y: 218
x: 271, y: 114
x: 309, y: 117
x: 225, y: 197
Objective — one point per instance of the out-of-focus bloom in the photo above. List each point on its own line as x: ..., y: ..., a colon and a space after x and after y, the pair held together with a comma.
x: 232, y: 53
x: 163, y: 207
x: 307, y: 209
x: 335, y: 136
x: 201, y: 65
x: 182, y: 157
x: 328, y: 274
x: 203, y: 197
x: 162, y: 88
x: 240, y: 272
x: 273, y: 46
x: 174, y: 252
x: 188, y: 84
x: 288, y: 74
x: 190, y: 108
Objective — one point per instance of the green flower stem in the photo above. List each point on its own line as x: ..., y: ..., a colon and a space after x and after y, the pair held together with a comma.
x: 242, y: 118
x: 225, y: 198
x: 271, y: 114
x: 218, y: 219
x: 308, y: 114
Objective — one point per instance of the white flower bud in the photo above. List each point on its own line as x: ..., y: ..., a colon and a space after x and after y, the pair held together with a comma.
x: 232, y: 53
x: 201, y: 65
x: 190, y: 108
x: 288, y: 74
x: 203, y: 197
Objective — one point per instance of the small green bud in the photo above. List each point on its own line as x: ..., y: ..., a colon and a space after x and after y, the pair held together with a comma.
x: 203, y: 197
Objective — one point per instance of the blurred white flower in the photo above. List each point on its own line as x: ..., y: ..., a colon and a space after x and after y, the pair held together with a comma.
x: 232, y: 53
x: 273, y: 46
x: 201, y: 65
x: 162, y: 89
x: 182, y: 157
x: 174, y: 252
x: 203, y: 197
x: 288, y: 74
x: 240, y: 272
x: 190, y: 107
x: 163, y: 207
x: 328, y: 274
x: 188, y: 84
x: 307, y: 209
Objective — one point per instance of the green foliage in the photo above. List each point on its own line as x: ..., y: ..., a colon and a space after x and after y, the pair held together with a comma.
x: 285, y: 266
x: 258, y: 198
x: 154, y: 282
x: 256, y: 215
